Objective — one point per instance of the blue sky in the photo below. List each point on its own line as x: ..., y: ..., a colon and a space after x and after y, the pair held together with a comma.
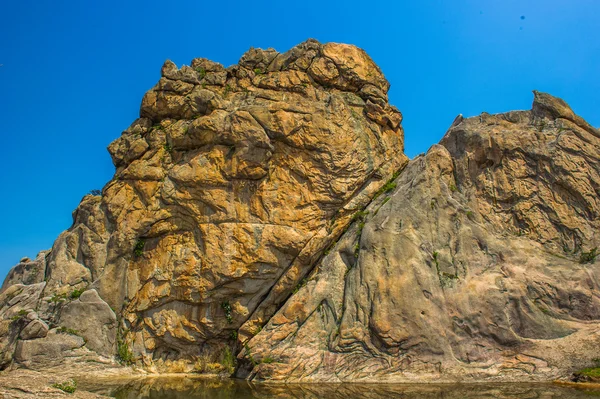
x: 73, y: 74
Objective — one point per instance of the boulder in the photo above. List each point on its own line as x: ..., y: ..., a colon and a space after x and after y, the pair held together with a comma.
x: 93, y: 320
x: 49, y: 351
x: 35, y: 329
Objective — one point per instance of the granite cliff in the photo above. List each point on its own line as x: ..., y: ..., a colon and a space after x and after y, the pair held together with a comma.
x: 267, y: 211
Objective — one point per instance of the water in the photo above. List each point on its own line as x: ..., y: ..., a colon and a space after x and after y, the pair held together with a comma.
x: 195, y: 388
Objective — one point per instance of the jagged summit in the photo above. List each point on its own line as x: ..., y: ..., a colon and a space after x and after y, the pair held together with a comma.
x: 227, y: 190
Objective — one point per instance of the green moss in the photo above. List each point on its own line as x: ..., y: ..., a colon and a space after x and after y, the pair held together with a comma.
x: 65, y: 330
x: 267, y: 360
x: 360, y: 215
x: 138, y: 249
x: 20, y: 314
x: 258, y: 71
x: 301, y: 284
x: 168, y: 147
x: 226, y: 306
x: 593, y: 372
x: 124, y: 354
x: 76, y: 294
x: 589, y: 257
x: 453, y: 188
x: 55, y: 298
x: 357, y: 248
x: 201, y: 72
x: 67, y: 386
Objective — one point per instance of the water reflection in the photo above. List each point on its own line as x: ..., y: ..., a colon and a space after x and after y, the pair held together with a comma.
x: 192, y: 388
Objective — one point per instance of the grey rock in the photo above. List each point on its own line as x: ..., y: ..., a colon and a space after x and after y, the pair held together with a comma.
x: 94, y: 320
x: 49, y: 351
x: 27, y: 271
x: 35, y: 329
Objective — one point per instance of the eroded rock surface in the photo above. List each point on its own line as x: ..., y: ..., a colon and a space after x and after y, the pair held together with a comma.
x: 478, y: 265
x: 267, y: 210
x: 227, y: 191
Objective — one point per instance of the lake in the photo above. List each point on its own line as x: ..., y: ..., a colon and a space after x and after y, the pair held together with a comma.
x: 202, y: 388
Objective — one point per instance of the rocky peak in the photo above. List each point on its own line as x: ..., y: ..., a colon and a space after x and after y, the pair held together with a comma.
x: 267, y: 210
x: 227, y: 190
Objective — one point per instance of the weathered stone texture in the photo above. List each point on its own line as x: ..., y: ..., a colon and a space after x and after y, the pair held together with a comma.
x: 470, y: 269
x: 227, y: 191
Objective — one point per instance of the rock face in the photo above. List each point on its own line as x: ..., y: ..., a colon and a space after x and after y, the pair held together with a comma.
x: 227, y: 191
x: 26, y: 272
x: 268, y: 209
x: 478, y: 265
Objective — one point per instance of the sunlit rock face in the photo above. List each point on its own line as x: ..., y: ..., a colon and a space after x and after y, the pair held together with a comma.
x: 267, y: 211
x: 228, y: 189
x: 478, y: 265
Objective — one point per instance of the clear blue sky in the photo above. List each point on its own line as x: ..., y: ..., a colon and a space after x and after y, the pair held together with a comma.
x: 73, y: 74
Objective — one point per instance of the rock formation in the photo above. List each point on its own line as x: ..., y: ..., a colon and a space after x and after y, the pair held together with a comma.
x: 478, y: 265
x: 268, y: 209
x: 226, y: 192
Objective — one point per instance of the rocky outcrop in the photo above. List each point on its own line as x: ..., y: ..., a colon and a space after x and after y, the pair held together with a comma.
x: 27, y: 272
x: 226, y: 193
x: 267, y: 209
x: 480, y: 264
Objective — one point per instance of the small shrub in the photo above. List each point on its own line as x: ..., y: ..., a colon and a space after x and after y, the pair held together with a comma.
x: 233, y: 335
x: 124, y: 355
x: 65, y: 330
x: 360, y: 215
x: 453, y: 188
x: 227, y: 90
x: 226, y: 306
x: 55, y: 298
x: 301, y: 284
x: 228, y: 360
x: 249, y: 354
x: 470, y: 215
x: 357, y: 248
x: 96, y: 192
x: 76, y: 294
x: 138, y: 249
x: 168, y: 147
x: 589, y: 257
x: 20, y: 314
x: 67, y: 386
x: 436, y: 260
x: 258, y: 71
x: 201, y: 72
x: 267, y: 360
x: 387, y: 187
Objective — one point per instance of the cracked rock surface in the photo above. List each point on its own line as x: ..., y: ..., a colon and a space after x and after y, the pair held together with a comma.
x: 267, y: 210
x: 227, y: 190
x: 475, y: 266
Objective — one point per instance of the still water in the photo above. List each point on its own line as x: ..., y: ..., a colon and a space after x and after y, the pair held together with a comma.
x: 192, y: 388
